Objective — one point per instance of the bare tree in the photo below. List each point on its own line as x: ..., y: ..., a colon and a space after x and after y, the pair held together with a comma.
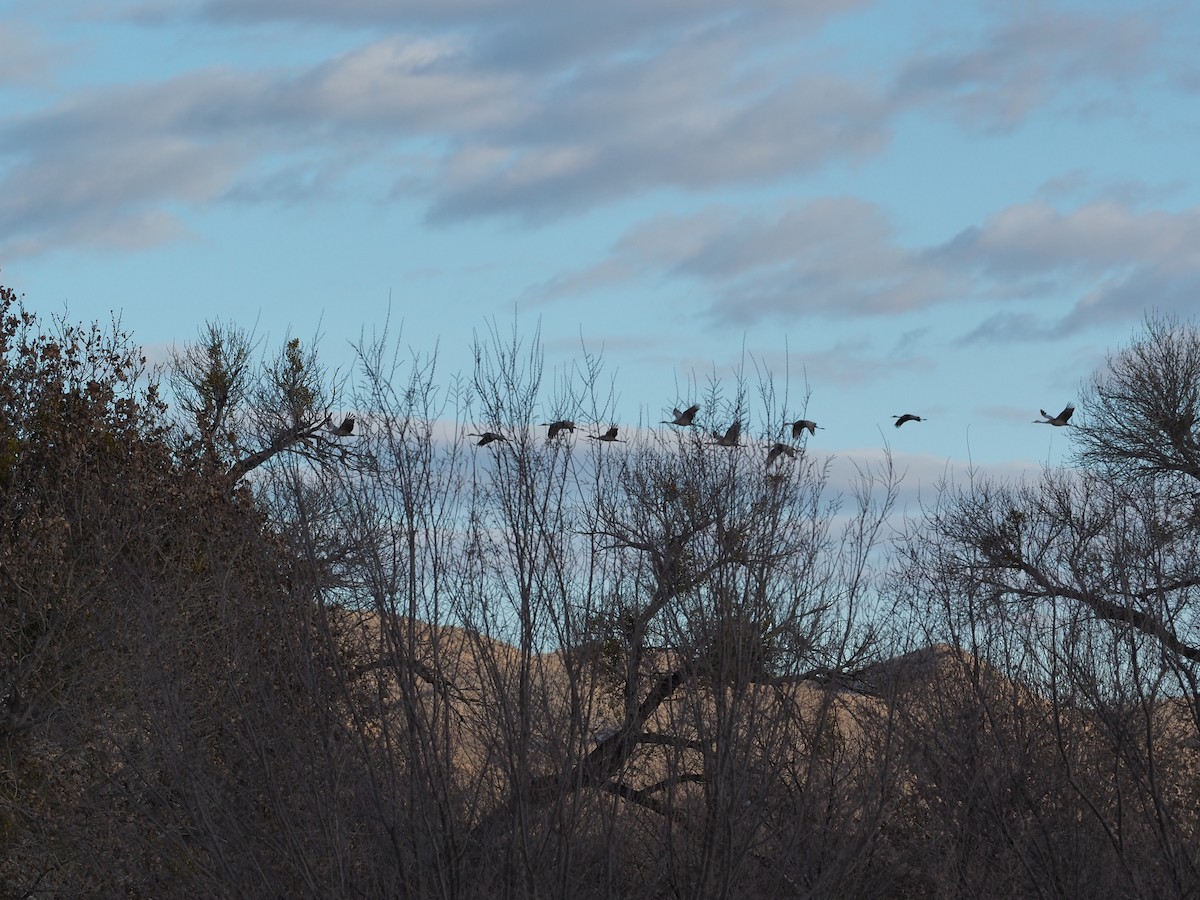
x: 400, y: 663
x: 562, y: 644
x: 1142, y: 409
x: 1080, y: 588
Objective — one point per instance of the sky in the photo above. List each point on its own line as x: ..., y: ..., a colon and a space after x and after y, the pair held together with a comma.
x: 953, y: 208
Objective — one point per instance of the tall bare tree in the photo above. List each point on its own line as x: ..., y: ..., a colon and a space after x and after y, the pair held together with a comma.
x: 1081, y: 586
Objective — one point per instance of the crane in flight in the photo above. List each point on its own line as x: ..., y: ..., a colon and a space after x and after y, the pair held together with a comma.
x: 684, y: 417
x: 778, y: 450
x: 343, y: 430
x: 907, y: 417
x: 557, y: 428
x: 1063, y: 418
x: 802, y: 425
x: 486, y: 437
x: 610, y: 435
x: 731, y: 436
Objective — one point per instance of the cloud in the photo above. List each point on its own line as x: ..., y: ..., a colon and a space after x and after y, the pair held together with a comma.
x: 839, y: 257
x: 1115, y: 262
x: 622, y: 99
x: 1080, y: 186
x: 531, y: 33
x: 400, y: 85
x: 1059, y: 58
x: 103, y: 159
x: 695, y: 116
x: 857, y: 362
x: 834, y: 257
x: 110, y: 195
x: 1036, y: 237
x: 26, y: 60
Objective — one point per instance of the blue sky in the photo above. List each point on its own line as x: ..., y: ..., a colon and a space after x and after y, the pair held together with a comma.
x: 946, y: 208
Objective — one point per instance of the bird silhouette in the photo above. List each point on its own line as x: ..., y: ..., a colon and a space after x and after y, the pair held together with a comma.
x: 610, y: 435
x: 557, y: 428
x: 686, y: 417
x: 907, y: 417
x: 730, y: 438
x: 802, y: 425
x: 486, y: 437
x: 779, y: 450
x: 345, y: 429
x: 1061, y: 419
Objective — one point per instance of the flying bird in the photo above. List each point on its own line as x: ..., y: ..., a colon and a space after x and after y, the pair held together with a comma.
x: 907, y: 417
x: 486, y: 437
x: 1061, y: 419
x: 610, y: 435
x: 731, y: 436
x: 686, y: 417
x: 779, y: 450
x: 345, y: 429
x: 557, y: 428
x: 802, y: 425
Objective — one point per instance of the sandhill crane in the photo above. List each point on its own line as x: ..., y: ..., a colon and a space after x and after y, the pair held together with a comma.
x: 610, y: 435
x: 1061, y: 419
x: 731, y: 436
x: 907, y: 417
x: 345, y: 429
x: 802, y: 425
x: 486, y: 437
x: 686, y: 417
x: 557, y: 428
x: 779, y: 450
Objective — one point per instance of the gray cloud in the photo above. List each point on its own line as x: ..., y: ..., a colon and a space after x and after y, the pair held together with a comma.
x: 689, y: 95
x: 1115, y: 261
x: 103, y: 159
x: 839, y: 258
x: 1037, y: 238
x: 694, y: 116
x: 857, y: 362
x: 531, y: 33
x: 834, y: 257
x: 26, y: 60
x: 110, y: 196
x: 1079, y: 186
x: 1007, y: 327
x: 1058, y: 58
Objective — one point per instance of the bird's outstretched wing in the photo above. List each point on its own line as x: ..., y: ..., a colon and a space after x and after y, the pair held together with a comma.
x: 683, y: 417
x: 779, y: 450
x: 345, y: 429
